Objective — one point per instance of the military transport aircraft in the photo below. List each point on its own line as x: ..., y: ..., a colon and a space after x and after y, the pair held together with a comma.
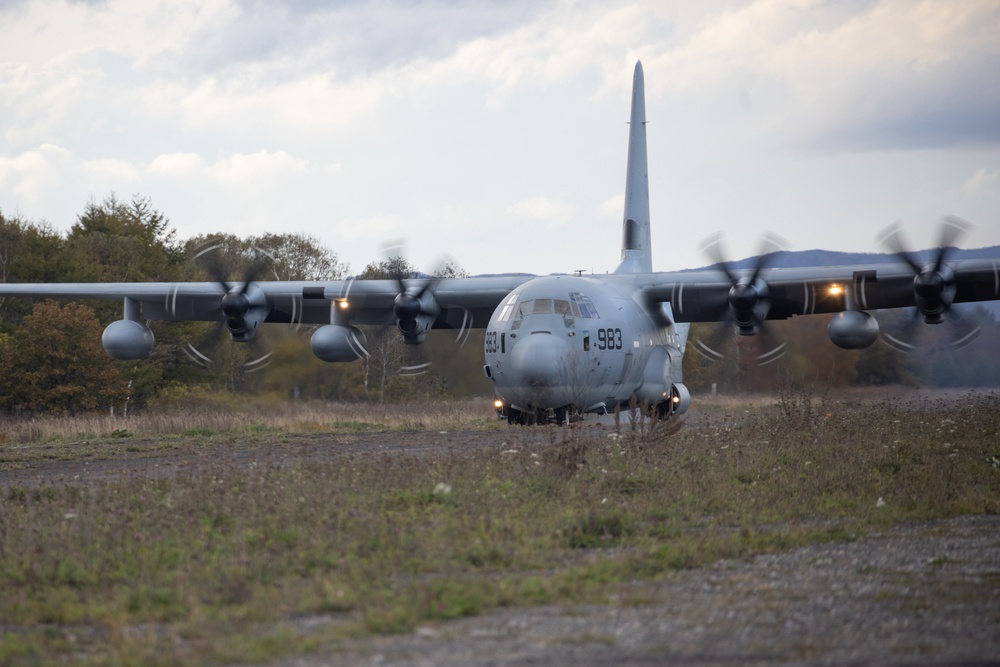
x: 561, y: 345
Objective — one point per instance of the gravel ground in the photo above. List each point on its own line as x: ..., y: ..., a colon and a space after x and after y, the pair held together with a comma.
x: 918, y: 594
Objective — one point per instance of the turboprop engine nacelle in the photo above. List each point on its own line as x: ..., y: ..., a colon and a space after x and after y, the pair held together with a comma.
x: 853, y: 329
x: 415, y: 313
x: 655, y: 377
x: 673, y: 398
x: 337, y: 343
x: 127, y: 340
x: 415, y: 330
x: 680, y: 398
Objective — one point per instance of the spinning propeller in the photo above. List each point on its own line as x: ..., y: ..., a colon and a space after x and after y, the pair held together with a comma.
x: 933, y: 285
x: 416, y: 309
x: 243, y: 305
x: 748, y: 300
x: 416, y: 306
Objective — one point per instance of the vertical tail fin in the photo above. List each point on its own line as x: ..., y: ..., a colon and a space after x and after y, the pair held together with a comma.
x: 636, y: 251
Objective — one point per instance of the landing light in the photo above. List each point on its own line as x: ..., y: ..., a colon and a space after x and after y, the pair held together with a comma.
x: 676, y: 399
x: 343, y: 304
x: 836, y: 290
x: 498, y: 404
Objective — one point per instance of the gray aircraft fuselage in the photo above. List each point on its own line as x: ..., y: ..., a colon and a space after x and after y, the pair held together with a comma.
x: 561, y: 341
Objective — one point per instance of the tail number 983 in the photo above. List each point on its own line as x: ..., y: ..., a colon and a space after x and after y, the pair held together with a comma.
x: 491, y: 342
x: 609, y: 339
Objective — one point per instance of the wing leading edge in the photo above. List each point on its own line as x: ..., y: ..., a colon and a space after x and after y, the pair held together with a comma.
x: 365, y: 301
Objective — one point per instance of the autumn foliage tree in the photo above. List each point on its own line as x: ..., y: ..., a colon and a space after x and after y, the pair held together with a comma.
x: 55, y: 363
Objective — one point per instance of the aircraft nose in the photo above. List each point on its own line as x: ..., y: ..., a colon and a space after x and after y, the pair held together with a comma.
x: 541, y: 359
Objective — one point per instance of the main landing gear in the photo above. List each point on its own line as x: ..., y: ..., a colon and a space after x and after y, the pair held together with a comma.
x: 536, y: 417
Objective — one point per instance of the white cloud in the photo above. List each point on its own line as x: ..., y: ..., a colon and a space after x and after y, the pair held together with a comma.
x: 612, y: 208
x: 177, y: 164
x: 565, y: 42
x: 241, y: 168
x: 817, y: 46
x: 112, y: 171
x: 314, y: 103
x: 856, y: 76
x: 55, y: 31
x: 983, y: 180
x: 377, y: 228
x: 31, y: 173
x: 543, y: 209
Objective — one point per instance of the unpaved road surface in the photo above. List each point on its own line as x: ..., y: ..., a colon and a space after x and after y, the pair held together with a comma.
x: 31, y: 464
x: 919, y: 594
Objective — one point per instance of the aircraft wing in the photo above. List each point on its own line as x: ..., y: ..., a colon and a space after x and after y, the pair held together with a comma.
x: 695, y: 296
x: 703, y: 296
x: 368, y: 301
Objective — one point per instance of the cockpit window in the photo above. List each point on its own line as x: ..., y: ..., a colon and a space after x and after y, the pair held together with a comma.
x: 542, y: 307
x: 579, y: 305
x: 545, y: 307
x: 508, y: 309
x: 582, y: 306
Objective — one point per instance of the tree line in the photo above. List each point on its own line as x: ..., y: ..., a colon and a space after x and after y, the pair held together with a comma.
x: 51, y: 359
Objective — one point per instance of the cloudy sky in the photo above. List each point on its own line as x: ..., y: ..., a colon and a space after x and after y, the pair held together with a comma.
x: 495, y: 131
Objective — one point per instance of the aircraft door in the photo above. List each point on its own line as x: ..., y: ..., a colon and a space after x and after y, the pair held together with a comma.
x: 626, y: 367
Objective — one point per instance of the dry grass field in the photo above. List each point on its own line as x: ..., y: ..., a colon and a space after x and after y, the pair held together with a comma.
x: 205, y: 537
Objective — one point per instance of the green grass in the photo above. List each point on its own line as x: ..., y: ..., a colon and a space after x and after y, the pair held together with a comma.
x: 216, y: 564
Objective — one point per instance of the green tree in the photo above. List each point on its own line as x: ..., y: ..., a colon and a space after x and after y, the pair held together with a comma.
x: 55, y: 363
x: 266, y: 257
x: 880, y: 363
x: 386, y: 348
x: 118, y: 242
x: 701, y: 368
x: 29, y: 252
x: 387, y: 269
x: 295, y: 372
x: 299, y: 257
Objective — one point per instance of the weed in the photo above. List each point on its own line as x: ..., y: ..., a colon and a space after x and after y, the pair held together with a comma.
x: 598, y: 528
x: 253, y: 419
x: 188, y: 568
